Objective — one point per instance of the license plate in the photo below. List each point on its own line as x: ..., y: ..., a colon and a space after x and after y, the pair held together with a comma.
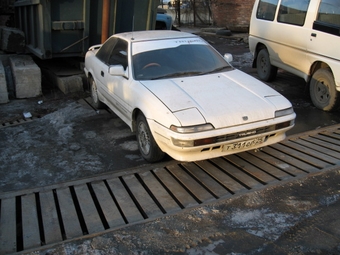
x: 244, y: 144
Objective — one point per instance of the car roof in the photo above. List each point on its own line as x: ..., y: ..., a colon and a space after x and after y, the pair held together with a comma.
x: 150, y: 35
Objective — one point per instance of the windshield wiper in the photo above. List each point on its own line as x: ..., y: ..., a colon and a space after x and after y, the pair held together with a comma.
x: 216, y: 70
x: 174, y: 75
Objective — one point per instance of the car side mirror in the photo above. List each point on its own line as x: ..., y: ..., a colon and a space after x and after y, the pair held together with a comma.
x: 228, y: 57
x: 116, y: 70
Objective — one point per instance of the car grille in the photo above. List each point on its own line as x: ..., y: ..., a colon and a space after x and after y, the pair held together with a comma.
x: 243, y: 134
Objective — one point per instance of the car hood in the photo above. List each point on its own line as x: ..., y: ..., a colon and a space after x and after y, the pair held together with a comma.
x: 223, y: 99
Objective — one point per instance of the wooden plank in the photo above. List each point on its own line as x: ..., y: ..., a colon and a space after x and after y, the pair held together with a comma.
x: 30, y: 225
x: 255, y: 158
x: 302, y: 156
x: 331, y: 135
x: 237, y: 173
x: 326, y: 139
x: 50, y: 218
x: 225, y: 180
x: 8, y: 241
x: 311, y: 152
x: 145, y: 201
x: 251, y: 169
x: 92, y: 219
x: 109, y: 208
x: 328, y: 155
x: 289, y: 163
x: 69, y: 214
x: 164, y: 198
x: 124, y: 200
x: 199, y: 192
x: 175, y: 188
x: 324, y: 144
x: 217, y: 189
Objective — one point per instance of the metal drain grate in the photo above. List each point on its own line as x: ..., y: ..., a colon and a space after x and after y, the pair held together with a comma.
x: 41, y: 217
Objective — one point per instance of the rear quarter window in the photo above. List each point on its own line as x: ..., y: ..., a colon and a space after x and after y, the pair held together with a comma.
x: 329, y: 12
x: 293, y: 12
x: 266, y: 9
x: 328, y: 18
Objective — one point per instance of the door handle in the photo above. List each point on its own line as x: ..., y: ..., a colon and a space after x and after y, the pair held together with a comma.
x: 313, y: 34
x: 102, y: 73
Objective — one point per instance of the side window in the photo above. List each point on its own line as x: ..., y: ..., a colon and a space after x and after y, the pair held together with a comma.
x: 104, y: 52
x: 329, y: 12
x: 119, y: 54
x: 266, y: 9
x: 293, y: 12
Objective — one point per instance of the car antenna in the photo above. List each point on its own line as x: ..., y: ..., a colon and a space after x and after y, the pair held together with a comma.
x: 133, y: 26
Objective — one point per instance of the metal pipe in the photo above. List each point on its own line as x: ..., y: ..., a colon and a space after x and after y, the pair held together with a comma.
x: 105, y: 20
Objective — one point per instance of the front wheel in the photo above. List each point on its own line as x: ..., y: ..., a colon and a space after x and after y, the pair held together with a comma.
x: 146, y: 143
x: 265, y: 70
x: 323, y: 91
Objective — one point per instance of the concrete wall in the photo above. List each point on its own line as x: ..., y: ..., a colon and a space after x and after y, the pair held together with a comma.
x: 233, y: 14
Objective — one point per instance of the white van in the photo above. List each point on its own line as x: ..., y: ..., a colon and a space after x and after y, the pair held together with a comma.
x: 301, y: 37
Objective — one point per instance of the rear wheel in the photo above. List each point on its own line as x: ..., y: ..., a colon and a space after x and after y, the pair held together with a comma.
x: 94, y: 94
x: 265, y: 70
x: 146, y: 143
x: 323, y: 91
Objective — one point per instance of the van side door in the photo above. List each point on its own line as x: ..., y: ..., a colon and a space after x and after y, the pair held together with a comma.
x: 325, y: 35
x: 292, y: 36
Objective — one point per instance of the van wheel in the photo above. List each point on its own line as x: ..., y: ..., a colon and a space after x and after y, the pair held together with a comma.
x: 323, y: 91
x: 146, y: 143
x: 265, y: 70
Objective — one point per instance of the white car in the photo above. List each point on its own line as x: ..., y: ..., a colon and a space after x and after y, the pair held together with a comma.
x: 183, y: 98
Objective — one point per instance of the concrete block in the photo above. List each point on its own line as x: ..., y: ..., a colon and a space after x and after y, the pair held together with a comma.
x: 70, y: 84
x: 3, y: 85
x: 26, y: 76
x: 12, y: 40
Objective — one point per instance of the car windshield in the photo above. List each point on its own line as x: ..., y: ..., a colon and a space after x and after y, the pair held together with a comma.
x: 183, y: 60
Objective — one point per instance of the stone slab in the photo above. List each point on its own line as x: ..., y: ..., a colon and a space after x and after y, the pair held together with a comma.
x: 26, y: 76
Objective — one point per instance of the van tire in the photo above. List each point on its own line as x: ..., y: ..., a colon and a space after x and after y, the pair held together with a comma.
x: 323, y: 91
x: 265, y: 70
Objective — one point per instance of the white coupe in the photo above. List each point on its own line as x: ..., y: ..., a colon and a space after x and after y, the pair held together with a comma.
x: 181, y: 97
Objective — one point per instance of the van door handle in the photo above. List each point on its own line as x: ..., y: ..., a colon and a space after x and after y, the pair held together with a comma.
x: 102, y: 73
x: 313, y: 34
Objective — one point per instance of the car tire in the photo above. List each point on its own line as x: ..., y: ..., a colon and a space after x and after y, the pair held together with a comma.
x: 224, y: 32
x: 323, y: 91
x: 265, y: 70
x: 94, y: 94
x: 146, y: 143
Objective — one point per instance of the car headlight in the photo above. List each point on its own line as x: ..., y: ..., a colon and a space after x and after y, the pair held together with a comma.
x: 284, y: 112
x: 192, y: 129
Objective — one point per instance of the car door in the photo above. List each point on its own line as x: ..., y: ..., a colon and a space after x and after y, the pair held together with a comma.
x: 101, y: 67
x: 118, y: 86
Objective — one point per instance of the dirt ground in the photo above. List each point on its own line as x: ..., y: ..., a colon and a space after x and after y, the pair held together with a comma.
x: 299, y: 217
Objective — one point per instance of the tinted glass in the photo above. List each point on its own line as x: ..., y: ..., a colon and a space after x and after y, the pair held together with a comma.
x: 293, y: 12
x: 180, y: 61
x: 329, y: 12
x: 105, y: 51
x: 266, y: 9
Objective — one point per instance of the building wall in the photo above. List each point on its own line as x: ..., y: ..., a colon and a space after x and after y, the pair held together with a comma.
x: 232, y: 14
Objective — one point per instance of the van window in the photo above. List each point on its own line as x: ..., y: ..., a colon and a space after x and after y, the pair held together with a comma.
x: 266, y: 9
x: 329, y: 12
x: 293, y: 12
